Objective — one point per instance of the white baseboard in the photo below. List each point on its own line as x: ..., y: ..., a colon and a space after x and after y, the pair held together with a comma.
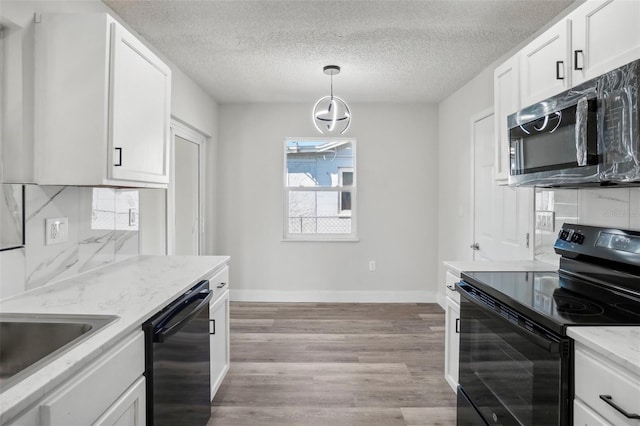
x: 334, y: 296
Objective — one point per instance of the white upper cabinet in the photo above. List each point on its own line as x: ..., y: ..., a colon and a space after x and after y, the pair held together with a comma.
x: 506, y: 88
x: 102, y: 105
x: 544, y: 64
x: 605, y: 35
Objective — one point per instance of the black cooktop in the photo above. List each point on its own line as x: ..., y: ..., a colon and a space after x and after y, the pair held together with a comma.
x: 555, y: 300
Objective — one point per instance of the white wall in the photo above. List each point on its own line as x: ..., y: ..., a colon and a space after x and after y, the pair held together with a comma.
x: 397, y: 210
x: 455, y: 213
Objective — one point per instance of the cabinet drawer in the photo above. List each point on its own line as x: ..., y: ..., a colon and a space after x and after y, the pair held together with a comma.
x: 82, y: 400
x: 451, y: 280
x: 595, y: 376
x: 220, y: 281
x: 584, y: 416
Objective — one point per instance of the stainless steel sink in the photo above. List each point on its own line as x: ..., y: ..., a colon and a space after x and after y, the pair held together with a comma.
x: 29, y: 342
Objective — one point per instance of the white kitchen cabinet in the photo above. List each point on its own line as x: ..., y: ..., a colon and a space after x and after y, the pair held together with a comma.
x: 109, y: 391
x: 219, y: 329
x: 129, y: 409
x: 605, y: 35
x: 597, y: 376
x: 102, y: 105
x: 584, y: 416
x: 452, y: 330
x: 545, y: 64
x: 506, y: 89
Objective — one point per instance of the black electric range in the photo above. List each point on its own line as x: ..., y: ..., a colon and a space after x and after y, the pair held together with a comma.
x: 516, y: 361
x: 555, y: 300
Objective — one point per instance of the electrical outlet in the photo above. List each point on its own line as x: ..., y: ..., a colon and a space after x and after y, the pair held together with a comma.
x: 545, y: 220
x: 56, y: 230
x: 372, y: 266
x: 133, y: 217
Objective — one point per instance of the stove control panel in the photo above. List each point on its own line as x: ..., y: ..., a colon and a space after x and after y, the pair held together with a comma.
x: 606, y: 244
x: 571, y: 235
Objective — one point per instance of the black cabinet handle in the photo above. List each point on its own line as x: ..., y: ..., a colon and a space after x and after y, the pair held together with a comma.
x: 458, y: 325
x: 212, y: 329
x: 609, y: 400
x: 559, y: 65
x: 119, y: 163
x: 452, y: 288
x: 575, y: 60
x: 221, y: 285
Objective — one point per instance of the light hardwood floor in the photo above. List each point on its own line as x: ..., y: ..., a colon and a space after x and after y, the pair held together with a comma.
x: 335, y: 364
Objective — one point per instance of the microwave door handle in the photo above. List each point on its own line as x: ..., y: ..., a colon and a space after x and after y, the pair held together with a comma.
x: 549, y: 345
x: 582, y: 114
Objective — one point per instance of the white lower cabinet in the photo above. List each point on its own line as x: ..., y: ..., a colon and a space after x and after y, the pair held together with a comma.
x: 584, y: 416
x: 452, y: 330
x: 129, y: 409
x: 597, y: 377
x: 219, y: 329
x: 109, y: 391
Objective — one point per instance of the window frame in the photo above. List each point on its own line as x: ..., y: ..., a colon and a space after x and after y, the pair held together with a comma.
x: 339, y: 189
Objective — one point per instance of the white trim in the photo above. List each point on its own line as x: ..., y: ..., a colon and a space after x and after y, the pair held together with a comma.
x: 333, y: 296
x: 186, y: 132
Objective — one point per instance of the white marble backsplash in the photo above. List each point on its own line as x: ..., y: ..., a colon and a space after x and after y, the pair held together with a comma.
x: 614, y: 207
x: 102, y: 229
x: 10, y: 216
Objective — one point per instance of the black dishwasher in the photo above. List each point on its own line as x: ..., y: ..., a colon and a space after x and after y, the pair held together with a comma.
x: 177, y: 361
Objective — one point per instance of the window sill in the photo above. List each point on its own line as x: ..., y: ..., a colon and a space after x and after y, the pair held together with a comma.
x: 321, y: 240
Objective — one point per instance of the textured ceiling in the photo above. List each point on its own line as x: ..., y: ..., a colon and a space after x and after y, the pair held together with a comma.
x: 389, y: 50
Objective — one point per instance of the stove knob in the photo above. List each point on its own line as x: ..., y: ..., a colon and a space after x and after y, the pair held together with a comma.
x: 577, y: 238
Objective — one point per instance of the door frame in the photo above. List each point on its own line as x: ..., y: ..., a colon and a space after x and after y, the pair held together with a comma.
x: 184, y: 131
x: 474, y: 119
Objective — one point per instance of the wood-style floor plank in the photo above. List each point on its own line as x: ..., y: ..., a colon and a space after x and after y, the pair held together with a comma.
x: 335, y: 364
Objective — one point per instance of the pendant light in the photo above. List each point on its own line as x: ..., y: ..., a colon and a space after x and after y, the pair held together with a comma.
x: 331, y: 115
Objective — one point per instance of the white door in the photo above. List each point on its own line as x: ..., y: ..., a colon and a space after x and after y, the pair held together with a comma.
x: 606, y: 35
x: 502, y: 215
x: 484, y: 187
x: 187, y: 196
x: 506, y: 101
x: 544, y: 65
x: 140, y: 87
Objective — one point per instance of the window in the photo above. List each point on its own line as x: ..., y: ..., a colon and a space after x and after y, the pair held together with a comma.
x: 320, y: 189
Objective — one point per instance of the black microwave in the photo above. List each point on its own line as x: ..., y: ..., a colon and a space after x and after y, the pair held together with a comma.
x: 588, y: 135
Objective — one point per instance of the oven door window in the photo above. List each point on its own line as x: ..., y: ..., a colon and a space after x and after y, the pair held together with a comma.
x: 510, y: 379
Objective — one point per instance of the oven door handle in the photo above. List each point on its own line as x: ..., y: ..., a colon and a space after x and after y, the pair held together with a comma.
x: 545, y: 343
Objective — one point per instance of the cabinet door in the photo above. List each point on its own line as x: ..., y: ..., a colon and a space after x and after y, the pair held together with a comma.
x: 452, y: 342
x: 506, y: 88
x: 605, y: 35
x: 139, y: 110
x: 128, y: 410
x: 584, y: 416
x: 91, y: 392
x: 219, y: 329
x: 544, y: 64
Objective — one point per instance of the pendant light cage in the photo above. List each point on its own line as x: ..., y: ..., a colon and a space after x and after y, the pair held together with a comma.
x: 331, y: 114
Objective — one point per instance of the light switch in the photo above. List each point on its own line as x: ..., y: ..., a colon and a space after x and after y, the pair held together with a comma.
x: 56, y: 230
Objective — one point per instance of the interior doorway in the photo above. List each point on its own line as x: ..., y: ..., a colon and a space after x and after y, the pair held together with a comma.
x: 502, y: 225
x: 185, y: 226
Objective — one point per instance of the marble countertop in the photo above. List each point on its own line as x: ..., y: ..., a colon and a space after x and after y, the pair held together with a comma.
x: 619, y: 344
x: 134, y: 290
x: 501, y: 265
